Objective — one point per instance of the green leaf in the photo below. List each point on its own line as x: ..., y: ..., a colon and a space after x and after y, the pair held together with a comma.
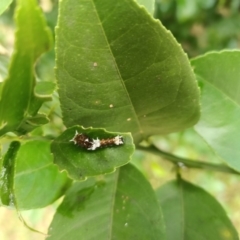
x: 31, y: 123
x: 7, y: 174
x: 186, y: 9
x: 37, y: 181
x: 81, y: 163
x: 148, y: 4
x: 193, y: 214
x: 45, y: 89
x: 219, y: 77
x: 120, y: 69
x: 117, y: 206
x: 4, y: 5
x: 4, y: 61
x: 28, y: 176
x: 43, y: 92
x: 18, y: 99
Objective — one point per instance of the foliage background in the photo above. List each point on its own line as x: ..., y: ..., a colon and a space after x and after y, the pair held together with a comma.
x: 199, y: 26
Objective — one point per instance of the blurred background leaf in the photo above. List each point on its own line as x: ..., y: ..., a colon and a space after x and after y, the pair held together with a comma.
x: 4, y: 5
x: 220, y: 97
x: 192, y: 213
x: 200, y: 25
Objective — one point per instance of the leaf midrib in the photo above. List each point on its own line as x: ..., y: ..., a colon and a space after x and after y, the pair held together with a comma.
x: 120, y: 76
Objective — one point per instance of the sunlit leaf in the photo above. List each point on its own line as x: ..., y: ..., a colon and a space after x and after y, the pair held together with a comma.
x: 4, y: 5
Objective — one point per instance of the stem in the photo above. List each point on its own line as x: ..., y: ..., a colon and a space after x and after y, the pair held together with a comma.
x: 188, y: 162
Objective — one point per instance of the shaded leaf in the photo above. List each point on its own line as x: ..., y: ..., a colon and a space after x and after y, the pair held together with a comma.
x: 31, y: 123
x: 219, y: 77
x: 45, y: 89
x: 117, y: 206
x: 191, y: 213
x: 43, y: 92
x: 120, y: 69
x: 81, y: 163
x: 18, y: 100
x: 7, y: 174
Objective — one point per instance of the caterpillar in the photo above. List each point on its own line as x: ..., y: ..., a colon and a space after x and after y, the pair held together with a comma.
x: 88, y: 143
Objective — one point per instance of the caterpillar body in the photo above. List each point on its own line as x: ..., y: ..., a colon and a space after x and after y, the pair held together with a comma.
x: 89, y: 143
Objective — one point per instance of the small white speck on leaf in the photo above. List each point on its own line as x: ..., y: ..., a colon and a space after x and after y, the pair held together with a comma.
x: 95, y: 64
x: 111, y: 106
x: 129, y: 119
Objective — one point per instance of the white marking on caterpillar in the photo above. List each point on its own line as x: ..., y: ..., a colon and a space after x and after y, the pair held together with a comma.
x: 88, y: 143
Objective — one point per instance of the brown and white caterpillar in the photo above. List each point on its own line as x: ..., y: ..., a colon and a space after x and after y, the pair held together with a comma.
x: 88, y: 143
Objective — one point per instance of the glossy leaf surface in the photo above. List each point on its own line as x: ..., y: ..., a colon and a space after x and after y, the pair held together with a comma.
x: 192, y: 213
x: 32, y: 38
x: 219, y: 77
x: 120, y: 69
x: 81, y: 163
x: 121, y: 205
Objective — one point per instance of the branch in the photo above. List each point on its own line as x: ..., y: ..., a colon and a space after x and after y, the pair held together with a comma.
x: 188, y: 162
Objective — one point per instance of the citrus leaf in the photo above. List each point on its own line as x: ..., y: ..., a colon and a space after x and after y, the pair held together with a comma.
x: 43, y: 92
x: 120, y: 69
x: 81, y: 163
x: 148, y: 4
x: 191, y: 213
x: 218, y: 74
x: 37, y: 181
x: 31, y: 123
x: 7, y: 174
x: 28, y: 176
x: 4, y: 5
x: 32, y: 38
x: 117, y: 206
